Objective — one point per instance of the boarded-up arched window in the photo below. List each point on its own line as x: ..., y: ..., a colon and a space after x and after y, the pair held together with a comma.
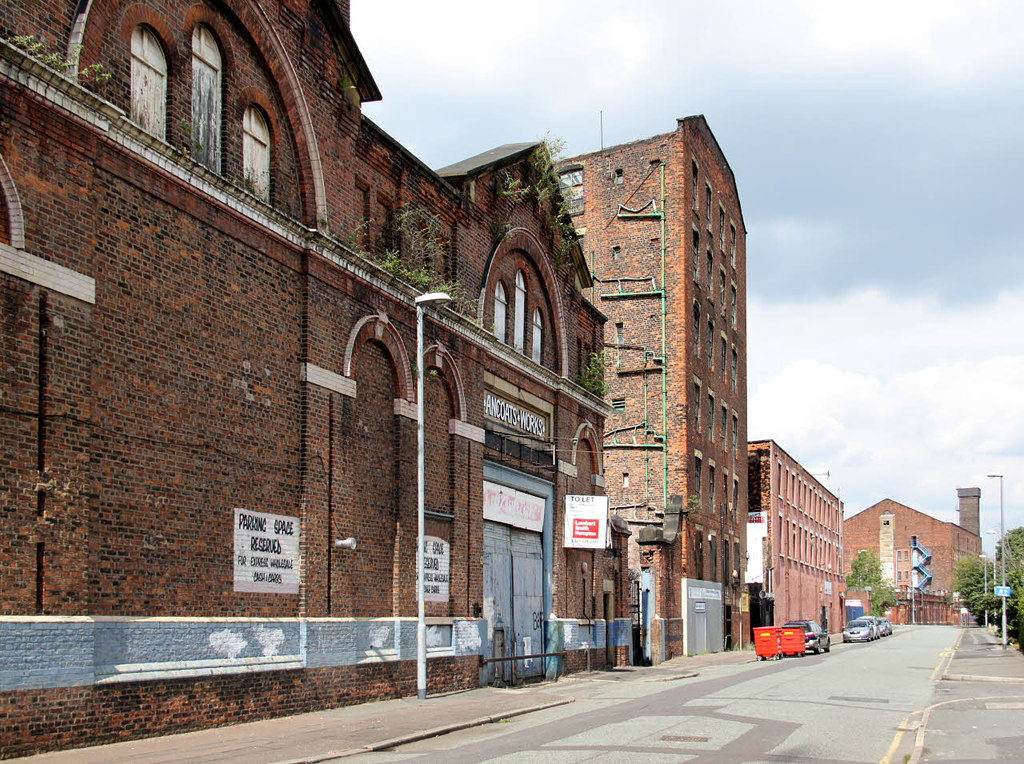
x: 256, y: 152
x: 206, y: 98
x: 519, y: 336
x: 500, y: 308
x: 149, y: 82
x: 538, y: 335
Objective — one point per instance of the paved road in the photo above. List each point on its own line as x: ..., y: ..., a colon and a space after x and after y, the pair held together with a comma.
x: 881, y: 702
x: 847, y: 706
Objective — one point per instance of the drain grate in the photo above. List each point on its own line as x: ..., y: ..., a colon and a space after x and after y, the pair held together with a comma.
x: 684, y: 739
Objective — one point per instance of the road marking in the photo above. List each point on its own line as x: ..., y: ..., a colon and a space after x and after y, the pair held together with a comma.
x: 896, y: 740
x: 1005, y: 706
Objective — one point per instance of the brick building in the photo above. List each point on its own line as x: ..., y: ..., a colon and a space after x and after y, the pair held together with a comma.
x: 918, y: 553
x: 209, y: 263
x: 794, y: 542
x: 661, y: 225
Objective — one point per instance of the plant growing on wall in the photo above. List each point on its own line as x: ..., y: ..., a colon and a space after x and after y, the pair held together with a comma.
x: 591, y: 374
x: 416, y: 253
x: 60, y: 63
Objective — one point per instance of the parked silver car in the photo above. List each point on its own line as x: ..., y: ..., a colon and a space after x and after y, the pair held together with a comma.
x: 858, y: 630
x: 876, y: 626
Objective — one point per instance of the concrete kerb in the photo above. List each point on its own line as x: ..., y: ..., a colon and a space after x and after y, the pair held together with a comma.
x: 921, y: 728
x: 709, y: 659
x: 412, y: 737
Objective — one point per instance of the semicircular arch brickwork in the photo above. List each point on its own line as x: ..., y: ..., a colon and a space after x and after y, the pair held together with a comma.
x: 378, y: 328
x: 12, y: 204
x: 520, y: 241
x: 87, y: 38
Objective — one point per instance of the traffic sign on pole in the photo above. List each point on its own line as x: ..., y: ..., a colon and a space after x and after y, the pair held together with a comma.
x: 1002, y: 591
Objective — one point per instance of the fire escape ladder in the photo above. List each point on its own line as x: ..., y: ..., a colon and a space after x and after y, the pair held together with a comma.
x: 921, y: 556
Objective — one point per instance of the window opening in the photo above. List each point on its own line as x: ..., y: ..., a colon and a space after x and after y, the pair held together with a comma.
x: 520, y: 312
x: 206, y: 97
x: 149, y: 82
x: 500, y: 305
x: 538, y: 333
x: 256, y: 152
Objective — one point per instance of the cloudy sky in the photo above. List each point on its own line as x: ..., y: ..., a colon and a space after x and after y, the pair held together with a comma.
x: 879, y: 151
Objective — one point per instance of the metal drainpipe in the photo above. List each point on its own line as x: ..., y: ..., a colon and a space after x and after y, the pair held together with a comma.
x: 664, y: 358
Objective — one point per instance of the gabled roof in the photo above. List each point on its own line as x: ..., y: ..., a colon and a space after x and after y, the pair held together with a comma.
x: 355, y: 65
x: 500, y: 155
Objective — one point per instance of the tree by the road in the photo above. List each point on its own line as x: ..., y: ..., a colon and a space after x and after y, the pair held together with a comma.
x: 866, y: 573
x: 1014, y: 546
x: 969, y: 581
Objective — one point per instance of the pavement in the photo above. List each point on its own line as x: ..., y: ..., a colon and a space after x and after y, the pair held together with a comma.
x: 977, y: 716
x: 980, y: 657
x: 350, y: 730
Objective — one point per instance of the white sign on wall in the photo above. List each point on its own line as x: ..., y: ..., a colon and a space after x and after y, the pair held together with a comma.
x: 436, y: 569
x: 586, y: 522
x: 515, y: 416
x: 511, y: 507
x: 266, y: 552
x: 757, y: 532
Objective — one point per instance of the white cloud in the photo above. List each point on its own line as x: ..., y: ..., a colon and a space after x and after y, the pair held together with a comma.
x: 906, y: 400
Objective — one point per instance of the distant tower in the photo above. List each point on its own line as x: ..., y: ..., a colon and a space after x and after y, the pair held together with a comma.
x: 970, y: 511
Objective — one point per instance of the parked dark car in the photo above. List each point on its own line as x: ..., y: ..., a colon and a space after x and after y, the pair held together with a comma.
x: 816, y: 639
x: 858, y: 630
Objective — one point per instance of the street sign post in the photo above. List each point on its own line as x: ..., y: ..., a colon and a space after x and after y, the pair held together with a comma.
x: 1002, y: 591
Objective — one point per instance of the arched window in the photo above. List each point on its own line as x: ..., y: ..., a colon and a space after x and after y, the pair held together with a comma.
x: 256, y: 152
x: 500, y: 305
x: 206, y: 77
x: 538, y: 335
x: 520, y: 312
x: 149, y: 82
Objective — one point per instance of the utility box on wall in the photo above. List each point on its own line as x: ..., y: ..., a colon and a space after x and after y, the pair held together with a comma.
x: 703, y: 612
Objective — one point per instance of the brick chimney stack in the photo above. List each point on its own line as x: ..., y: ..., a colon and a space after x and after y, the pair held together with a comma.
x: 970, y: 509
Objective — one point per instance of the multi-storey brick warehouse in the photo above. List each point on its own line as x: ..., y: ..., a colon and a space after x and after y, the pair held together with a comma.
x: 794, y: 542
x: 662, y: 228
x: 209, y: 263
x: 916, y: 550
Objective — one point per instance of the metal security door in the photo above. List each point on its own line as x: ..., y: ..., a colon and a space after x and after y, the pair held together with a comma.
x: 528, y: 600
x: 646, y: 611
x: 498, y: 595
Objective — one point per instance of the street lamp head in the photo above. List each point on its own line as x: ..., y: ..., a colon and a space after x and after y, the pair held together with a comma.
x: 995, y: 476
x: 436, y: 299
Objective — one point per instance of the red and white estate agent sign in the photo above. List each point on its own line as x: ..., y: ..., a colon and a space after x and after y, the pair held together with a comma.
x: 586, y: 522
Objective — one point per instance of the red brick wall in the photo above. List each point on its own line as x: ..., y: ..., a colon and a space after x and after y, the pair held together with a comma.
x: 633, y: 365
x: 135, y: 425
x: 948, y: 542
x: 42, y: 720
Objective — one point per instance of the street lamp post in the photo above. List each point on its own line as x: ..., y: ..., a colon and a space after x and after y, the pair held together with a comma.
x: 1002, y: 551
x: 436, y: 299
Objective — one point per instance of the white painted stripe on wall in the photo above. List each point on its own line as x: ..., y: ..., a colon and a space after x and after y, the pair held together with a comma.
x: 36, y: 270
x: 328, y: 380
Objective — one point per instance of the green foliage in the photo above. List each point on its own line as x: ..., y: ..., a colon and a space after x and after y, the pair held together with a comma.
x: 866, y: 573
x: 591, y: 374
x: 541, y: 184
x: 33, y: 48
x: 969, y: 581
x: 1014, y: 546
x: 418, y: 250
